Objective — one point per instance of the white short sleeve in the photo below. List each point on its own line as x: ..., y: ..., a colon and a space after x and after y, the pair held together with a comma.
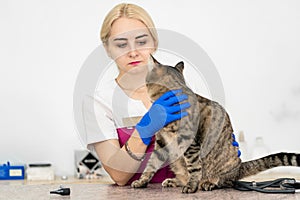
x: 98, y: 119
x: 104, y: 112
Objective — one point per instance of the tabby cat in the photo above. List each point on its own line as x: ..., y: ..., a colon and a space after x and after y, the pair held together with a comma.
x: 199, y: 147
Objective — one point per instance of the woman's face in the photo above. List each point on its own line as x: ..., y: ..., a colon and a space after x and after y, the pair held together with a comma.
x: 130, y: 45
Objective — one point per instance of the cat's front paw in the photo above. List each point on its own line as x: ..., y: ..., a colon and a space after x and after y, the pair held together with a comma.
x: 190, y: 188
x: 139, y: 184
x: 207, y: 186
x: 170, y: 182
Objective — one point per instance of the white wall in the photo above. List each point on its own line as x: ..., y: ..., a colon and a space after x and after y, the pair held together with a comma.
x: 255, y: 46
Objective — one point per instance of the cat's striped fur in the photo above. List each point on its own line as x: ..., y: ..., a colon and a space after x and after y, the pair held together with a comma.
x: 199, y: 147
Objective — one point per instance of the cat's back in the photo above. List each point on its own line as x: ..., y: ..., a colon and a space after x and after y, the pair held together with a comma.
x: 206, y: 103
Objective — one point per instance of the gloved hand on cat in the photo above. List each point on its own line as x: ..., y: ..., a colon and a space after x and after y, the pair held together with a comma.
x: 163, y: 111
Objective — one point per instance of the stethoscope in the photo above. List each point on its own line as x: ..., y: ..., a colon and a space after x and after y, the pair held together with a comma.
x: 281, y: 185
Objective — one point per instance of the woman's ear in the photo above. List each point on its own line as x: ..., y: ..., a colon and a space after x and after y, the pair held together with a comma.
x: 107, y: 50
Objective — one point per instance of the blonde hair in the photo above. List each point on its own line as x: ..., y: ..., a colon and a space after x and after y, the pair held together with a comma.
x: 130, y: 11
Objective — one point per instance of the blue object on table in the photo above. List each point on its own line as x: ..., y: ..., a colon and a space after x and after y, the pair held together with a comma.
x: 9, y: 172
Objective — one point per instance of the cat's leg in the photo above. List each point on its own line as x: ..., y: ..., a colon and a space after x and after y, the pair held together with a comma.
x: 194, y: 168
x: 218, y: 181
x: 180, y: 171
x: 209, y: 184
x: 157, y: 159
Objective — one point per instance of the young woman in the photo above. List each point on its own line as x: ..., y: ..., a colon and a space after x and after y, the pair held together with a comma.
x: 126, y: 118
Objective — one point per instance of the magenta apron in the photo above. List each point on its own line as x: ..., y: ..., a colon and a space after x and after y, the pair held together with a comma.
x: 160, y: 175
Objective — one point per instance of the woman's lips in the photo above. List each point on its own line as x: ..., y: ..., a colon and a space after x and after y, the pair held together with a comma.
x: 134, y: 63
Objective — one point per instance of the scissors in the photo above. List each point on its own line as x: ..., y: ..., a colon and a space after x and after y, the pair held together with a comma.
x: 281, y: 185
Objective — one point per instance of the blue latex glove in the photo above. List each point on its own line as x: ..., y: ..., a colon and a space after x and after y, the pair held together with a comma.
x: 236, y: 144
x: 163, y: 111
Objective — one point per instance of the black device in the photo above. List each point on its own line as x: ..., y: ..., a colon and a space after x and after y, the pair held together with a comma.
x: 281, y: 185
x: 62, y: 191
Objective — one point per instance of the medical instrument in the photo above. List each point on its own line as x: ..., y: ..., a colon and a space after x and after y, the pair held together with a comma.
x: 62, y: 191
x: 281, y: 185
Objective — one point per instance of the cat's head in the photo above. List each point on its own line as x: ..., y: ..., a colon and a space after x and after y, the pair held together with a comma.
x: 162, y: 78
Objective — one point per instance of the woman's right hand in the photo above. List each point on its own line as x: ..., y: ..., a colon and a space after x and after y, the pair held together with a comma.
x: 164, y: 110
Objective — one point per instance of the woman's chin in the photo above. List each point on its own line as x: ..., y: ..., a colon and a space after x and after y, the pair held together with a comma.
x: 139, y: 69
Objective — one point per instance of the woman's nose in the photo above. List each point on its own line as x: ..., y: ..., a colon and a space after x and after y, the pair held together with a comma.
x: 133, y: 52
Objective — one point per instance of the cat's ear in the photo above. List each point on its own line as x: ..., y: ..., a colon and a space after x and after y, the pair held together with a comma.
x: 154, y: 60
x: 152, y: 63
x: 180, y: 66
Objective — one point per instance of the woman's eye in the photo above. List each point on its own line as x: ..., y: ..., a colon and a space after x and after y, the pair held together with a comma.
x: 141, y: 43
x: 122, y: 45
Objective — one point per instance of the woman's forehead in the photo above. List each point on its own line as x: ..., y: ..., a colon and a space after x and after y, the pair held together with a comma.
x: 132, y: 35
x: 128, y: 28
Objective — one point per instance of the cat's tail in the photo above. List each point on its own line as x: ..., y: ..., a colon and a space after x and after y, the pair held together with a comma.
x: 253, y: 167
